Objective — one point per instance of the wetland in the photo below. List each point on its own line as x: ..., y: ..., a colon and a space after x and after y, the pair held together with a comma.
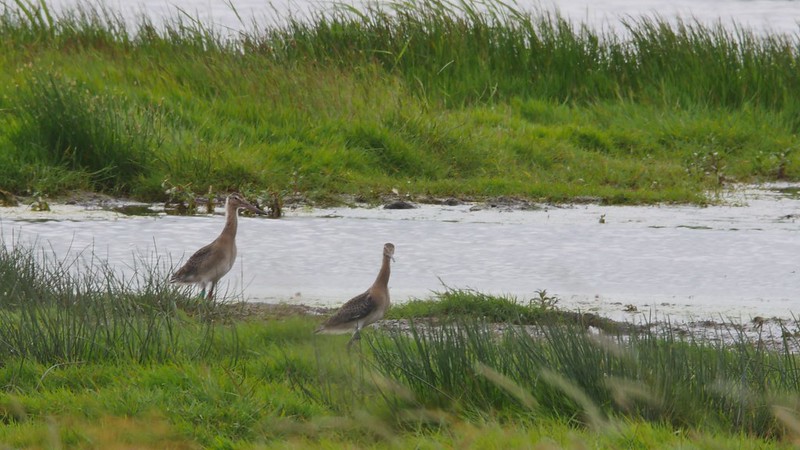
x: 733, y: 262
x: 642, y: 173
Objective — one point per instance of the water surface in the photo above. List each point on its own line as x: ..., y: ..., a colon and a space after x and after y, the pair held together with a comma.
x: 738, y: 260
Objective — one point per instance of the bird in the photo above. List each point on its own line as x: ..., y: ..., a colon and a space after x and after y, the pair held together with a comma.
x: 210, y: 263
x: 365, y: 308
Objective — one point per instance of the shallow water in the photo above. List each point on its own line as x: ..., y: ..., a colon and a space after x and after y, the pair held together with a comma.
x: 681, y: 261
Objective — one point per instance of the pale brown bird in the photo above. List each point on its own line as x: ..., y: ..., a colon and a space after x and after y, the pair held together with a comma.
x: 213, y: 261
x: 366, y: 308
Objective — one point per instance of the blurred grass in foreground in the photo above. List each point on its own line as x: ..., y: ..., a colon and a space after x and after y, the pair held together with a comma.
x: 92, y: 361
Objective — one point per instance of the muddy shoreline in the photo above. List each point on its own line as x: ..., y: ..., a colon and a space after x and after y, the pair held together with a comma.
x: 296, y: 201
x: 771, y: 333
x: 761, y: 319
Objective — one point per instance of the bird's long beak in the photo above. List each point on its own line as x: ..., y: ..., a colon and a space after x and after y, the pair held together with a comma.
x: 255, y: 209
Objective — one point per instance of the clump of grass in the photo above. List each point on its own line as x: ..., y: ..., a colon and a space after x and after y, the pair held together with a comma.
x: 460, y: 303
x: 63, y: 123
x: 557, y: 370
x: 89, y: 25
x: 57, y: 311
x: 36, y: 178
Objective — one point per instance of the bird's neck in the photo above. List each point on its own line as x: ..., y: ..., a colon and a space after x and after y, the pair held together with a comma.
x: 383, y: 275
x: 231, y: 222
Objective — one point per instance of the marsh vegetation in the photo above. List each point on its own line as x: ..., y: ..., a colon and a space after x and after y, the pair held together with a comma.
x: 428, y: 98
x: 89, y: 360
x: 425, y: 98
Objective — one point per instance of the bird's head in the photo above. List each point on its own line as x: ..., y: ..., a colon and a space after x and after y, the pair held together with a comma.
x: 388, y: 250
x: 237, y: 201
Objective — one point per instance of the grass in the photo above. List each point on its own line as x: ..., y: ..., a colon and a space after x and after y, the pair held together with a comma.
x: 459, y: 303
x: 63, y: 311
x: 453, y: 305
x: 63, y: 124
x: 550, y: 365
x: 77, y: 372
x: 429, y: 98
x: 560, y: 371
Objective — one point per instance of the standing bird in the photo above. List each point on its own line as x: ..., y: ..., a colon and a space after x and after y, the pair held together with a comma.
x: 213, y: 261
x: 366, y: 308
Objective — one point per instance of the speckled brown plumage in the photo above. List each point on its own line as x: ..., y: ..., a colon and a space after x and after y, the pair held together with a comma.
x: 365, y: 308
x: 210, y: 263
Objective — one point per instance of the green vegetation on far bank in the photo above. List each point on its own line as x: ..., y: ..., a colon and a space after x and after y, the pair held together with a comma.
x: 427, y: 98
x: 89, y: 360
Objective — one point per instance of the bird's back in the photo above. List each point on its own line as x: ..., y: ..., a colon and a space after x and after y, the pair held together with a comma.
x: 209, y: 263
x: 355, y: 309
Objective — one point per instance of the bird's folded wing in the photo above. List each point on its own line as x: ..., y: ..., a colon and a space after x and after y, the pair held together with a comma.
x: 192, y: 265
x: 356, y: 308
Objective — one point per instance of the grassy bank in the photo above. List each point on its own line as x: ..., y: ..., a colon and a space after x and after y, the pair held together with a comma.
x: 427, y: 98
x: 92, y: 361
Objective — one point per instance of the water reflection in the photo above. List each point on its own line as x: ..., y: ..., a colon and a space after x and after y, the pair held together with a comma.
x: 716, y: 261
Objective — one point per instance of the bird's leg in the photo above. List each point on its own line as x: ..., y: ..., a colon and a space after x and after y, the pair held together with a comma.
x: 356, y: 337
x: 203, y: 290
x: 211, y: 291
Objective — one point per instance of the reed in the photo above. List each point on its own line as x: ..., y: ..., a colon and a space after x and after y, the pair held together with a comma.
x: 65, y: 124
x: 460, y: 303
x: 557, y: 370
x: 73, y: 310
x: 462, y: 52
x: 429, y: 97
x: 274, y: 382
x: 89, y: 25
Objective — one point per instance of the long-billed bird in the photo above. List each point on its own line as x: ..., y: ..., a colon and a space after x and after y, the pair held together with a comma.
x: 213, y: 261
x: 366, y: 308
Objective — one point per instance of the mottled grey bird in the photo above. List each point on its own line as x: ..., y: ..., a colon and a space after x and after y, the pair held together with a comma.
x: 366, y: 308
x: 213, y: 261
